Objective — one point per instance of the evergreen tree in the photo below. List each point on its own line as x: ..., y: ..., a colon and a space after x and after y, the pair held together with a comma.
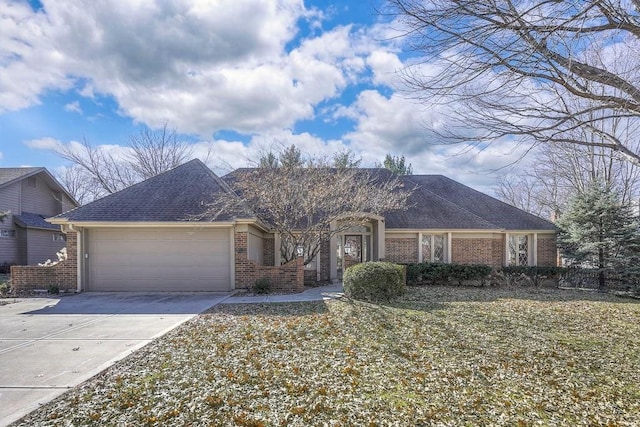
x: 397, y: 165
x: 599, y: 231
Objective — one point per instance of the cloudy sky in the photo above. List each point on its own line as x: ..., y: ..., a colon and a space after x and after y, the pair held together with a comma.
x: 232, y: 76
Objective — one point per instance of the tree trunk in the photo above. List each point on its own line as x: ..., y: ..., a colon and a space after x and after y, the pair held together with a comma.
x: 602, y: 279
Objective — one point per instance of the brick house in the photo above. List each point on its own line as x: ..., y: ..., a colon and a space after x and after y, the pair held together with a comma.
x: 152, y: 236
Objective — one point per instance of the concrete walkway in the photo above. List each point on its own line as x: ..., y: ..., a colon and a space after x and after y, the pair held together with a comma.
x: 313, y: 294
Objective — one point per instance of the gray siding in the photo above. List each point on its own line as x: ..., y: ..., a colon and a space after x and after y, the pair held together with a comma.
x: 9, y: 201
x: 41, y: 247
x: 40, y: 199
x: 67, y: 204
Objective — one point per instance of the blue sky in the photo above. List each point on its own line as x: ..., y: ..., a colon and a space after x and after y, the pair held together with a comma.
x: 232, y: 76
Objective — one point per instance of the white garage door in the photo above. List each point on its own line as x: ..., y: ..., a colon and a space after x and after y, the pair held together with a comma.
x: 158, y: 259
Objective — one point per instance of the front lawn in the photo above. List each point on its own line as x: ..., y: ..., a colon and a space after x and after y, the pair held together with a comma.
x: 440, y: 356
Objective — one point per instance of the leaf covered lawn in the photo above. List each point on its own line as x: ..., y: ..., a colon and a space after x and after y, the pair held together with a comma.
x: 438, y: 356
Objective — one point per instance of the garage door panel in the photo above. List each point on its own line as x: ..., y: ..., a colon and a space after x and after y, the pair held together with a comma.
x: 159, y: 260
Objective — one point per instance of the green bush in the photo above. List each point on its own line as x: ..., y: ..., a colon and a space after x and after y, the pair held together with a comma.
x: 374, y: 281
x: 54, y: 289
x: 522, y: 275
x: 262, y: 286
x: 445, y: 274
x: 5, y: 289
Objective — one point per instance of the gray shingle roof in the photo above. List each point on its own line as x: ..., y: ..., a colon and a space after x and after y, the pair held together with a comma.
x: 440, y: 202
x: 180, y: 194
x: 8, y: 175
x: 436, y: 203
x: 32, y: 220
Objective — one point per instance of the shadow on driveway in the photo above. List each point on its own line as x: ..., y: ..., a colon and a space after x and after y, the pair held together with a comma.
x: 130, y: 303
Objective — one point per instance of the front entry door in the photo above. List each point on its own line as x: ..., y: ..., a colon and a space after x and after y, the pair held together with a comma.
x: 352, y: 250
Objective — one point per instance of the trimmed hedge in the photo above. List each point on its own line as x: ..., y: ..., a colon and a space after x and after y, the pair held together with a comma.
x: 445, y: 274
x: 374, y: 281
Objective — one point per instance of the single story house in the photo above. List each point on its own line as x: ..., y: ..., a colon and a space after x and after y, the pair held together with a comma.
x: 28, y: 196
x: 144, y: 238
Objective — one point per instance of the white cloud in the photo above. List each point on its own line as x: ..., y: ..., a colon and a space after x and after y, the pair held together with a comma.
x: 73, y: 107
x: 202, y: 66
x: 44, y: 144
x: 385, y: 67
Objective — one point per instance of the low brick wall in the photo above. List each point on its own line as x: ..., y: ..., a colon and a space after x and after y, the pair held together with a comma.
x: 31, y: 277
x: 62, y: 275
x: 288, y: 277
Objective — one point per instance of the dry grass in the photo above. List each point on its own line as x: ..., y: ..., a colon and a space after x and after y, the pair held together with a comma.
x: 438, y: 356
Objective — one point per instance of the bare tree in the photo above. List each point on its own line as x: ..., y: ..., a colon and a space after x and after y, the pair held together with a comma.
x: 98, y: 171
x: 79, y: 183
x: 313, y: 201
x: 535, y: 70
x: 154, y: 152
x: 561, y: 171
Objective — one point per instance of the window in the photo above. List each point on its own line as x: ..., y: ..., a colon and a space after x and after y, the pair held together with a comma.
x: 433, y: 247
x: 518, y: 249
x: 59, y: 237
x: 7, y: 233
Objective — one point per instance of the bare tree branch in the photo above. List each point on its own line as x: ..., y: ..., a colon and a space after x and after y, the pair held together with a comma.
x: 313, y: 201
x: 530, y: 69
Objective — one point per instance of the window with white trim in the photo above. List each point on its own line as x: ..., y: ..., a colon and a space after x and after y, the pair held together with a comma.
x: 518, y: 249
x: 59, y: 237
x: 434, y: 247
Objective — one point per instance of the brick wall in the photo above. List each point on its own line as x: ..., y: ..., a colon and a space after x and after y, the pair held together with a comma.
x: 64, y: 275
x: 269, y: 251
x: 404, y: 250
x: 547, y: 252
x: 477, y: 251
x: 288, y: 277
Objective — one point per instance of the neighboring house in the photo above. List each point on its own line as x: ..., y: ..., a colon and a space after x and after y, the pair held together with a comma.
x: 149, y: 237
x: 30, y: 195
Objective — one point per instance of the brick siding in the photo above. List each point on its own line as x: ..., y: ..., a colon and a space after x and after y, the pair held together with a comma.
x: 287, y: 277
x: 477, y: 251
x: 269, y: 252
x: 547, y: 252
x: 64, y: 275
x: 403, y: 250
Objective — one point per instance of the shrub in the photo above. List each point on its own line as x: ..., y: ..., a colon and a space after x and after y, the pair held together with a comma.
x: 444, y: 274
x: 374, y: 281
x: 521, y: 275
x: 54, y: 290
x: 262, y: 286
x: 5, y: 289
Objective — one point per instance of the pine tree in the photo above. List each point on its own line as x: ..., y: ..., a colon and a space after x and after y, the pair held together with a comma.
x: 599, y: 231
x: 397, y: 165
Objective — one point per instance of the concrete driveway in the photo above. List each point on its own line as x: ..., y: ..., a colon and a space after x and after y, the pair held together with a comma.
x: 48, y: 345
